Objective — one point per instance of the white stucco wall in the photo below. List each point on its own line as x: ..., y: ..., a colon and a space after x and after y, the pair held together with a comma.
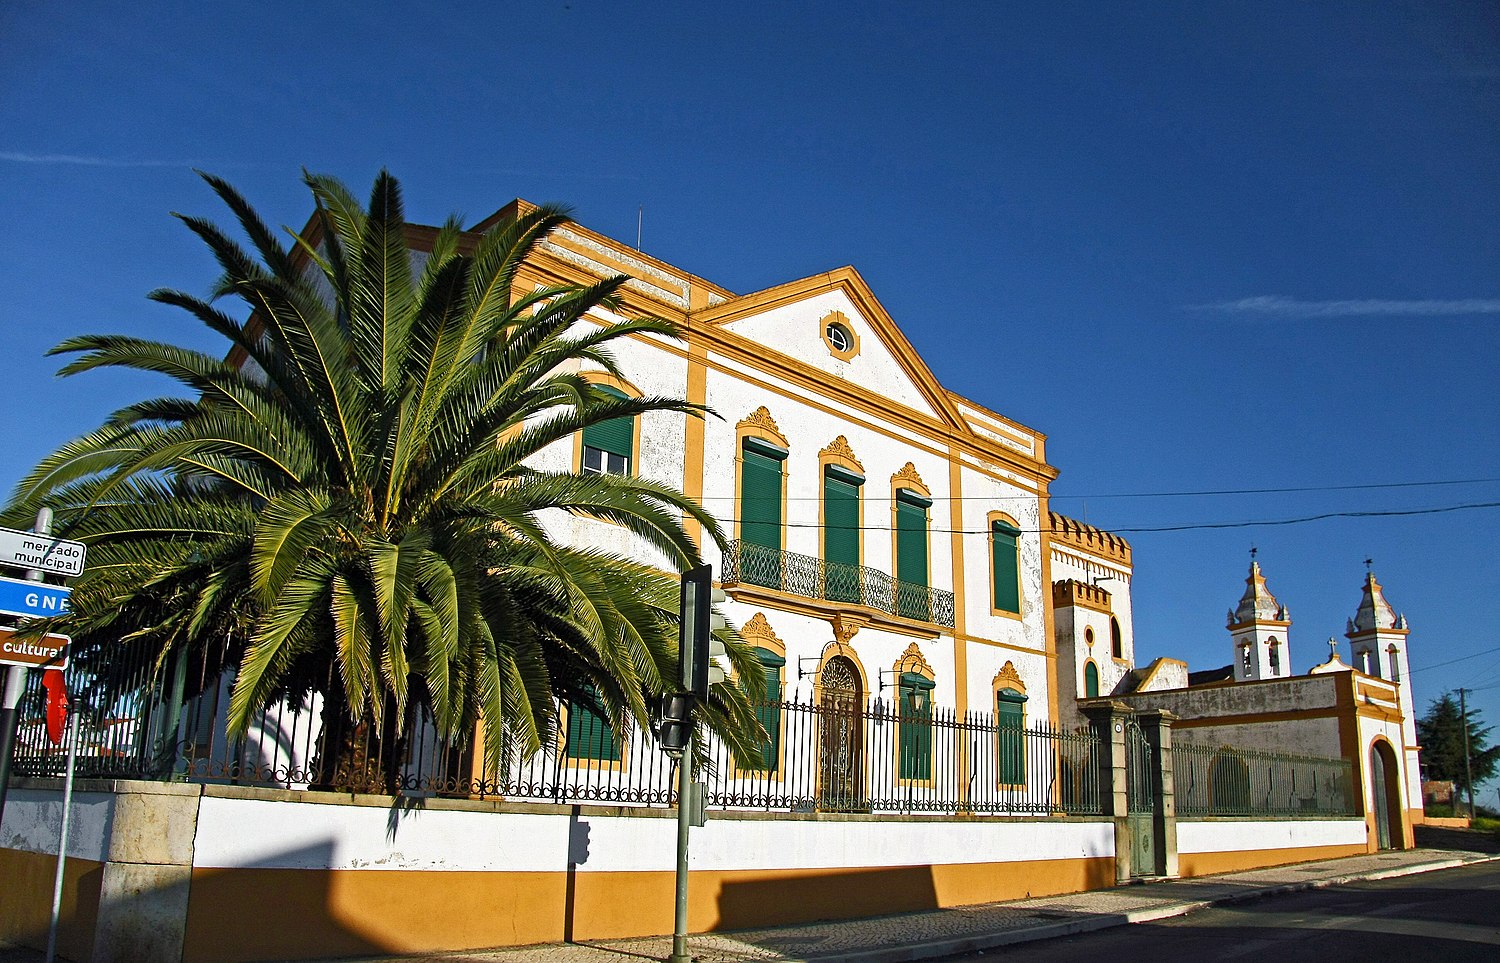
x: 1228, y: 836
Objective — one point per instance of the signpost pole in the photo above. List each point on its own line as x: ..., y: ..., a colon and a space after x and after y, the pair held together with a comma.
x: 15, y: 682
x: 62, y: 835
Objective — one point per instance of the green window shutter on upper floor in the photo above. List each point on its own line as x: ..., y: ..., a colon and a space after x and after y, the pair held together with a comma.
x: 1090, y: 680
x: 841, y: 534
x: 616, y: 436
x: 1004, y: 550
x: 912, y: 599
x: 760, y: 494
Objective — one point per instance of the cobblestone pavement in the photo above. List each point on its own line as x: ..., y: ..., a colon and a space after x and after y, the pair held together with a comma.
x: 937, y: 933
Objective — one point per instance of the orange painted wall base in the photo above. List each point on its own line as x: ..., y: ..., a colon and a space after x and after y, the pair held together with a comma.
x: 322, y: 913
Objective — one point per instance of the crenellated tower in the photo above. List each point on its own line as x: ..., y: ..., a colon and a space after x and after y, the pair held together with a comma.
x: 1258, y: 627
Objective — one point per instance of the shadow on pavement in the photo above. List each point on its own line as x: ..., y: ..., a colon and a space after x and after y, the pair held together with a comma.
x: 1469, y: 840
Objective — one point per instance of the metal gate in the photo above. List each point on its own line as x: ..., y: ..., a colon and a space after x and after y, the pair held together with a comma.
x: 841, y: 739
x: 1141, y: 766
x: 1378, y: 790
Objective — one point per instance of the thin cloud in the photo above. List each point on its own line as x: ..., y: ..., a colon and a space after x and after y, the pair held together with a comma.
x: 79, y: 160
x: 1278, y: 307
x: 85, y: 160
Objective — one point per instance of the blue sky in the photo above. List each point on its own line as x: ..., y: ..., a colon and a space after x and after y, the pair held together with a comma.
x: 1203, y: 246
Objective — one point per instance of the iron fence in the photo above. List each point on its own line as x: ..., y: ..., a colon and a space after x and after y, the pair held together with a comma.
x: 815, y: 578
x: 869, y: 759
x: 1225, y: 781
x: 139, y: 720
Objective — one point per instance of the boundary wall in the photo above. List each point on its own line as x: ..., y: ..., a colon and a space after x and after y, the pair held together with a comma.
x: 187, y: 873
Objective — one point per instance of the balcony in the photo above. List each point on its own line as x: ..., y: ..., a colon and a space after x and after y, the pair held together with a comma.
x: 746, y: 563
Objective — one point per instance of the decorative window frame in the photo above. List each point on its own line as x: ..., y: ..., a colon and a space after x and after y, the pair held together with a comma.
x: 1008, y: 680
x: 1117, y: 642
x: 908, y: 479
x: 913, y: 663
x: 842, y: 320
x: 763, y: 428
x: 989, y: 538
x: 759, y: 634
x: 604, y: 379
x: 1098, y: 681
x: 589, y: 762
x: 840, y: 457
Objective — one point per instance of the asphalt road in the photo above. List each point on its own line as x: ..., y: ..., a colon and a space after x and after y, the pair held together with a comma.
x: 1449, y: 916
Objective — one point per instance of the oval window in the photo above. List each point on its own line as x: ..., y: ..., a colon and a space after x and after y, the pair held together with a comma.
x: 840, y: 337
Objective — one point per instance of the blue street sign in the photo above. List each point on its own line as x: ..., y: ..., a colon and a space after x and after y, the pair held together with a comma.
x: 32, y: 599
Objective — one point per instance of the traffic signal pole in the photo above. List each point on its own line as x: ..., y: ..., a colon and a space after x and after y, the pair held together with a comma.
x: 684, y: 822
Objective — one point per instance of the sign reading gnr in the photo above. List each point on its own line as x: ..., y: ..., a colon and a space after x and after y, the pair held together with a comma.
x: 32, y: 599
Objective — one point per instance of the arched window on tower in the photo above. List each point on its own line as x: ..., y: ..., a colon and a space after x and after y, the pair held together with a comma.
x: 1275, y: 655
x: 1090, y: 680
x: 1116, y: 640
x: 1394, y: 655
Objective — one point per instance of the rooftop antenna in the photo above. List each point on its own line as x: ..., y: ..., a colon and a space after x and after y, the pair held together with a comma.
x: 640, y: 216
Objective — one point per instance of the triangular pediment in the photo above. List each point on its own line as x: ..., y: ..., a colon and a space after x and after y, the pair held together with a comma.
x: 793, y: 320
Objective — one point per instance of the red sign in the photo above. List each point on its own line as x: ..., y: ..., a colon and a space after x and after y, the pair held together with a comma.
x: 57, y: 704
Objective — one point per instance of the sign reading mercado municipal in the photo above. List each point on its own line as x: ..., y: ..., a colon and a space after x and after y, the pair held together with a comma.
x: 29, y: 550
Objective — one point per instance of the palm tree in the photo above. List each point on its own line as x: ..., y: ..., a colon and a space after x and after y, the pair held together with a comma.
x: 349, y: 496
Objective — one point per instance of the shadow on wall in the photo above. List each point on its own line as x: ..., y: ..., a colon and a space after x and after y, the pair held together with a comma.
x: 26, y: 902
x: 809, y: 895
x: 283, y: 906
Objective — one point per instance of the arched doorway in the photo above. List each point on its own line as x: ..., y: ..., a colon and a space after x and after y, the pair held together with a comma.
x: 841, y: 738
x: 1386, y: 794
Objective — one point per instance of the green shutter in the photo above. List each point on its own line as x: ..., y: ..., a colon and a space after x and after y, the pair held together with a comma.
x: 768, y: 714
x: 760, y: 497
x: 914, y: 736
x: 912, y: 598
x: 589, y: 735
x: 1090, y: 680
x: 841, y: 535
x: 1006, y: 567
x: 1010, y: 719
x: 616, y: 436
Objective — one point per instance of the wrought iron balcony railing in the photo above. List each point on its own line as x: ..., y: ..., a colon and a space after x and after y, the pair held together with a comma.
x: 814, y: 578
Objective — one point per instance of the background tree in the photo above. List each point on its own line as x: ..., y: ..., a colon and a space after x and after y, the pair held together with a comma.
x: 346, y: 506
x: 1440, y: 733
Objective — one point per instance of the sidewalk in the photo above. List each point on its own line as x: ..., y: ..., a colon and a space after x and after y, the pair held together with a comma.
x: 938, y: 933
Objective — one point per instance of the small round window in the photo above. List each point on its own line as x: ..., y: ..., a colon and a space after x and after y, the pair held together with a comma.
x: 839, y: 337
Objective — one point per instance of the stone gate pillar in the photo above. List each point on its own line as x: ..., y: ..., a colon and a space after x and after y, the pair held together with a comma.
x: 1156, y: 726
x: 1107, y: 720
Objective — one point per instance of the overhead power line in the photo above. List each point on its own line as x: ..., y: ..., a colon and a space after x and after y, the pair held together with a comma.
x: 1195, y: 526
x: 1462, y: 658
x: 1171, y: 494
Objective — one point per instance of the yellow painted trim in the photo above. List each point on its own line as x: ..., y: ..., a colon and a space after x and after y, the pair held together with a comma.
x: 26, y: 901
x: 1209, y: 864
x: 1156, y: 668
x: 989, y: 537
x: 331, y: 913
x: 838, y: 452
x: 1049, y: 615
x: 693, y: 448
x: 842, y: 320
x: 908, y: 479
x: 758, y: 632
x: 823, y: 609
x: 758, y: 424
